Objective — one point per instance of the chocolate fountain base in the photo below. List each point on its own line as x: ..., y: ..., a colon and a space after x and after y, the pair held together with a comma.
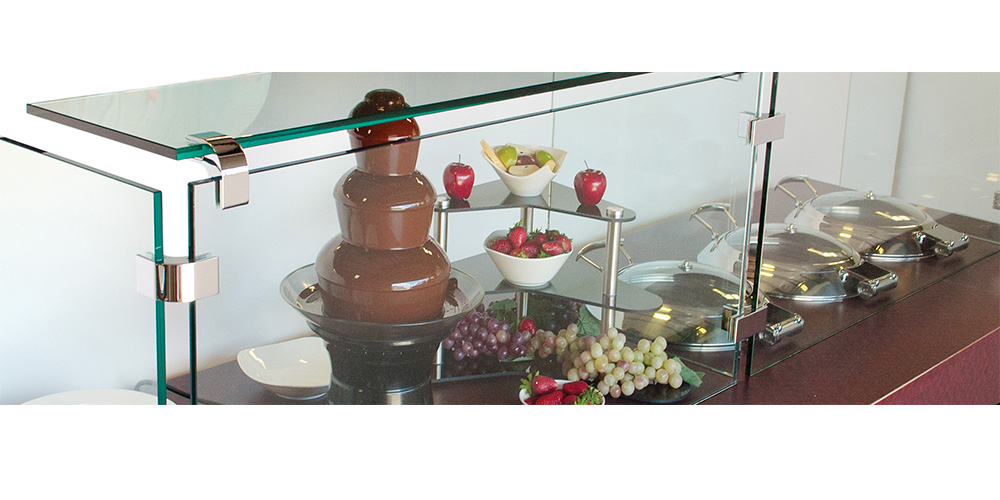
x: 380, y: 363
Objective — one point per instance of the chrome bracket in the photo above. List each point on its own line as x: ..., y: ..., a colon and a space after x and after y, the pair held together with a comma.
x: 769, y: 323
x: 177, y: 279
x: 759, y: 131
x: 233, y: 187
x: 996, y: 200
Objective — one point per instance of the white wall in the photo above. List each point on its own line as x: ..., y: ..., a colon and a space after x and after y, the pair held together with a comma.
x: 949, y: 147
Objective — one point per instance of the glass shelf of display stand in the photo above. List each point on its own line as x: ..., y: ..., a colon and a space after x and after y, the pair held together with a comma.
x: 266, y: 108
x: 494, y: 195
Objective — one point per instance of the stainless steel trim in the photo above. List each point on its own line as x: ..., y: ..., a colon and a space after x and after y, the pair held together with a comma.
x: 996, y: 200
x: 177, y: 279
x: 233, y: 187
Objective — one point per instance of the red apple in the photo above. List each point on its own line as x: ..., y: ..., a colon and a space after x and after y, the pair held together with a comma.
x: 590, y: 185
x: 458, y: 180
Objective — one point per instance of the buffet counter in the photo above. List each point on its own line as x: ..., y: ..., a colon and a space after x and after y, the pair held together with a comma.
x: 935, y: 339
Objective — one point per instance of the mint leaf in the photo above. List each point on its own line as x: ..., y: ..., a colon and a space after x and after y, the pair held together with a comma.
x: 690, y: 376
x: 506, y: 310
x: 587, y: 325
x: 540, y: 311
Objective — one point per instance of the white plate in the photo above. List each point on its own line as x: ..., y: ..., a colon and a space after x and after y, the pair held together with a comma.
x: 97, y: 397
x: 295, y: 369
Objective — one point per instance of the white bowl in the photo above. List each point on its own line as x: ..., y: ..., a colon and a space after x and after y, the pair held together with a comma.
x: 525, y: 272
x: 523, y: 395
x: 295, y: 369
x: 97, y: 397
x: 534, y: 184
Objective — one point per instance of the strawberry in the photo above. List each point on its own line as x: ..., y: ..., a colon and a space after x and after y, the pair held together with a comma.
x: 542, y: 385
x: 552, y: 247
x: 551, y: 234
x: 531, y: 249
x: 502, y: 245
x: 575, y: 387
x: 518, y: 252
x: 564, y: 241
x: 539, y: 237
x: 552, y: 398
x: 568, y: 400
x: 531, y: 400
x: 527, y: 325
x: 517, y: 236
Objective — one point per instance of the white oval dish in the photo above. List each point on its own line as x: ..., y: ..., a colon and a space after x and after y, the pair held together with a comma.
x: 535, y: 183
x: 97, y: 397
x: 524, y: 272
x: 523, y: 394
x: 294, y: 369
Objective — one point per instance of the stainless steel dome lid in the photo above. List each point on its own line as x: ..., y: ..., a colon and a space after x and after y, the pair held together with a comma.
x: 878, y: 227
x: 798, y: 263
x: 695, y: 298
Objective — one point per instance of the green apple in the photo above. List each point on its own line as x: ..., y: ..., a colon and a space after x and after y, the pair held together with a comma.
x: 544, y: 157
x: 507, y: 155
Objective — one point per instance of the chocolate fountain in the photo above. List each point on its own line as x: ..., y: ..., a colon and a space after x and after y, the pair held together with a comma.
x: 382, y: 293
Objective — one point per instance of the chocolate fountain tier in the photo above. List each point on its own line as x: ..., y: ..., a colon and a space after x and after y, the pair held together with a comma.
x: 381, y: 158
x: 380, y: 363
x: 383, y: 286
x: 383, y: 212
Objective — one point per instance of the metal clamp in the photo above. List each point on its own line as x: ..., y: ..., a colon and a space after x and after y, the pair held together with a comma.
x: 233, y: 187
x: 177, y: 279
x: 759, y: 131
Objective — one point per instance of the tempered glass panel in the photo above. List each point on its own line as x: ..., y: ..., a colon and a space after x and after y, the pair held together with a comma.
x: 666, y: 154
x: 264, y: 108
x: 945, y: 168
x: 72, y: 319
x: 644, y: 144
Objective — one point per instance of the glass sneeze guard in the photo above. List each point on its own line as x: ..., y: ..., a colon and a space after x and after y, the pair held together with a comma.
x: 75, y: 329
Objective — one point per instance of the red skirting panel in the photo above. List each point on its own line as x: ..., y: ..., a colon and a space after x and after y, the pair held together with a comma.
x: 970, y: 376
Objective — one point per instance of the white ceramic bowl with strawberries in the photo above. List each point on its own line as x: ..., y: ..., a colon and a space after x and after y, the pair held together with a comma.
x: 520, y: 271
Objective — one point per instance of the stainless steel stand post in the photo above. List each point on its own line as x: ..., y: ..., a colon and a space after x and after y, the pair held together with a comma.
x: 612, y: 251
x: 521, y: 298
x: 440, y: 229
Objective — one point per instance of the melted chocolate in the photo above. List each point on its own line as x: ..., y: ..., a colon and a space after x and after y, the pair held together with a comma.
x: 383, y: 286
x: 385, y: 159
x: 383, y: 212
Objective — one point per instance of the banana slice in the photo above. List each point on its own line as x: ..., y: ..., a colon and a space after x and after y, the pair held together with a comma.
x: 491, y: 155
x: 523, y: 170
